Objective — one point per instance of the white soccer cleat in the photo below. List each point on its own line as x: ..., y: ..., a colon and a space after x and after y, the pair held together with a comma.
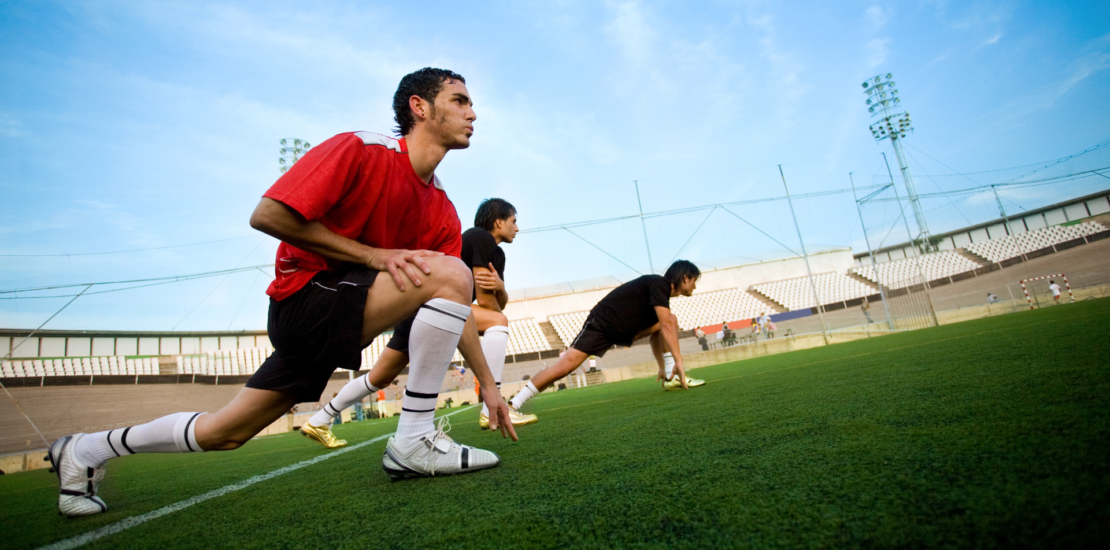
x: 77, y: 495
x: 435, y: 455
x: 676, y: 383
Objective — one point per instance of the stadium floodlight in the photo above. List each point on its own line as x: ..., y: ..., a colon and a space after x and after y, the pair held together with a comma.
x: 291, y: 151
x: 882, y: 102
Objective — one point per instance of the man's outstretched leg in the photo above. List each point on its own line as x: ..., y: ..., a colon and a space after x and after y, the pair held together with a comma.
x: 79, y: 459
x: 570, y: 360
x: 318, y: 428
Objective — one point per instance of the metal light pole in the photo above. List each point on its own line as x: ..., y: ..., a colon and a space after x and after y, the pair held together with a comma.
x: 882, y: 101
x: 291, y: 151
x: 871, y: 252
x: 812, y: 284
x: 1006, y: 220
x: 643, y: 224
x: 917, y: 255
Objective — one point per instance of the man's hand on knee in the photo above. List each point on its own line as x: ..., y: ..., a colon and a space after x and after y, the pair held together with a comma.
x: 398, y: 261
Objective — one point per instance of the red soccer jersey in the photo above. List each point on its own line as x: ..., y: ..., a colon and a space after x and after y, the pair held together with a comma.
x: 362, y: 186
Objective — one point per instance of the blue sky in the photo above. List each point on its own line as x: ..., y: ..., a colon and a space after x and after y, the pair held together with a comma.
x: 130, y: 125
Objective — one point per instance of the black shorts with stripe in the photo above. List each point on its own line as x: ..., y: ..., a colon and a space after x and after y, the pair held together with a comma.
x: 315, y: 331
x: 594, y: 340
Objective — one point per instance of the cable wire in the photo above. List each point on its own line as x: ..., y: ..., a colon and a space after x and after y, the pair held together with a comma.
x: 115, y: 251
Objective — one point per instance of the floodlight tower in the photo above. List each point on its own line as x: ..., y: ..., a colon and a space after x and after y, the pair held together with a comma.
x: 883, y: 101
x: 291, y: 151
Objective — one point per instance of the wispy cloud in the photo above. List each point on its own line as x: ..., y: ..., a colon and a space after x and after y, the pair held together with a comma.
x: 11, y: 127
x: 877, y: 51
x: 1097, y: 59
x: 876, y: 16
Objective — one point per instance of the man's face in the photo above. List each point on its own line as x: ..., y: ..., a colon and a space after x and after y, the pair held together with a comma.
x: 688, y: 285
x: 451, y: 117
x: 506, y: 229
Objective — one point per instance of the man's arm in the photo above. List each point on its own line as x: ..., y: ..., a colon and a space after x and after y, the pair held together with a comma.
x: 281, y: 222
x: 490, y: 289
x: 471, y: 349
x: 668, y: 326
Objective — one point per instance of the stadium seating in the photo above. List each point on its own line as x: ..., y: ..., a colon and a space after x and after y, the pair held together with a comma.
x: 526, y: 336
x: 900, y: 273
x: 568, y: 325
x: 224, y: 362
x: 715, y: 307
x: 796, y: 293
x: 79, y: 366
x: 997, y: 250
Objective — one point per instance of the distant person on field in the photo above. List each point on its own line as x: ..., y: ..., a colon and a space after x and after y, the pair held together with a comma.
x: 992, y: 299
x: 638, y: 308
x: 727, y: 331
x: 702, y: 339
x: 866, y: 308
x: 1055, y: 289
x: 771, y: 328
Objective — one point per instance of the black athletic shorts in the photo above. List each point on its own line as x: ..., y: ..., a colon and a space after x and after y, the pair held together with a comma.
x: 400, y: 340
x: 315, y: 331
x: 593, y: 340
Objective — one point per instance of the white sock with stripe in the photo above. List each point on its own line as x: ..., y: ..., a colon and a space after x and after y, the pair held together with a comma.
x: 175, y: 433
x: 529, y: 391
x: 494, y: 343
x: 356, y: 390
x: 668, y: 363
x: 432, y: 342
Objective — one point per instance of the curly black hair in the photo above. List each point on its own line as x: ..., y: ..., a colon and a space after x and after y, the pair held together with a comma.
x: 492, y: 210
x: 425, y: 83
x: 680, y: 270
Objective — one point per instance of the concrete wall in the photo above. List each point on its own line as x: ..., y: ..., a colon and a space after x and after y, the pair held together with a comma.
x: 138, y: 345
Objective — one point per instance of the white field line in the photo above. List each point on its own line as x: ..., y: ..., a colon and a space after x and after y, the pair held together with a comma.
x: 134, y: 521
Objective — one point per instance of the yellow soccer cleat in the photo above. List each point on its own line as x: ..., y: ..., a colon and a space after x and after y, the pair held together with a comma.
x: 518, y: 419
x: 322, y: 435
x: 676, y: 384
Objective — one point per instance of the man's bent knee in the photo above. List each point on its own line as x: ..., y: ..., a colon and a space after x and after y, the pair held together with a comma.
x: 454, y: 279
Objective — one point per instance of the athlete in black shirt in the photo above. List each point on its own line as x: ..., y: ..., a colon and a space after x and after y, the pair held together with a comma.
x: 494, y: 223
x: 638, y: 308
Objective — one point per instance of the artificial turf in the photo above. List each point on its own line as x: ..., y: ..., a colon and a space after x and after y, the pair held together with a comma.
x: 988, y: 433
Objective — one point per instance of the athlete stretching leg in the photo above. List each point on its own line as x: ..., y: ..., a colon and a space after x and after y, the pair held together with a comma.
x: 356, y: 205
x: 637, y: 309
x: 494, y: 223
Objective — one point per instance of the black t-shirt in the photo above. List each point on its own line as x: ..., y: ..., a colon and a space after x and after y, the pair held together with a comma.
x: 479, y: 249
x: 630, y: 308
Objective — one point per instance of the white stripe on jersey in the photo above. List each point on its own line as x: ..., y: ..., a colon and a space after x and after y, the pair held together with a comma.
x: 370, y: 138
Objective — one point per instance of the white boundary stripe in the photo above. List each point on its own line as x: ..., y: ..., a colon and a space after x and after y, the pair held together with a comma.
x: 134, y: 521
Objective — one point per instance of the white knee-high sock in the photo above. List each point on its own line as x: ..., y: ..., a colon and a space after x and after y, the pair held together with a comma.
x: 494, y: 343
x: 668, y: 363
x: 175, y: 433
x: 529, y: 391
x: 356, y: 390
x: 434, y: 337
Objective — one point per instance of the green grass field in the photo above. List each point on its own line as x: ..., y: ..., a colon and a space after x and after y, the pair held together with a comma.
x: 990, y: 433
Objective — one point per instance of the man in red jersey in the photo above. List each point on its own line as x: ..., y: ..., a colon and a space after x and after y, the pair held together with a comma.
x: 357, y: 205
